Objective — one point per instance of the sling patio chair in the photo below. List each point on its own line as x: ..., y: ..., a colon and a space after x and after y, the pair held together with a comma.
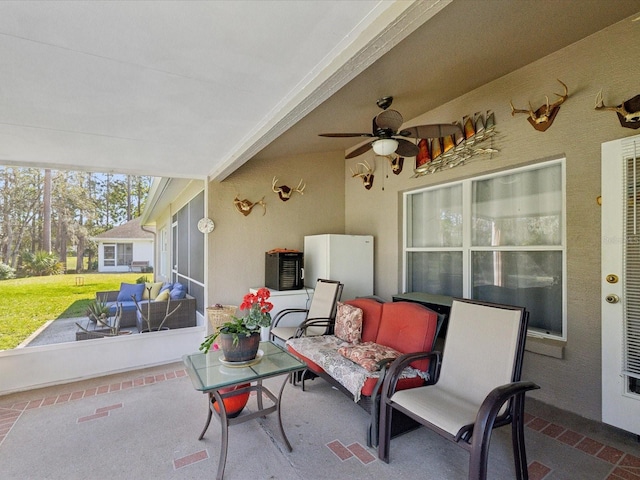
x: 475, y: 385
x: 319, y: 316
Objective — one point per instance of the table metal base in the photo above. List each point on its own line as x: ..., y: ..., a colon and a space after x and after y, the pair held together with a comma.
x: 226, y: 422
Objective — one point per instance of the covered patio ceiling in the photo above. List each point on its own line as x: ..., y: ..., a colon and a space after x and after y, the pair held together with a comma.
x: 196, y: 89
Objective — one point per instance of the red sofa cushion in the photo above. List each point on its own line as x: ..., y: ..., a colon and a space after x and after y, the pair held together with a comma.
x: 408, y: 327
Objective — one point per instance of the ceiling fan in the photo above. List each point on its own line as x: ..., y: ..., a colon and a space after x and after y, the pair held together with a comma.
x: 388, y: 139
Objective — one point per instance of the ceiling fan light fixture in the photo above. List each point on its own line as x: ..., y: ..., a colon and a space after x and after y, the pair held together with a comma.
x: 385, y: 146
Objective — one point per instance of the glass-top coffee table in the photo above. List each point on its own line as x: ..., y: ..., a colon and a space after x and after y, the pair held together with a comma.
x: 209, y: 374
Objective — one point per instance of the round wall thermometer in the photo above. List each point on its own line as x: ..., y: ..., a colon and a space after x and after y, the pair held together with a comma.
x: 205, y: 225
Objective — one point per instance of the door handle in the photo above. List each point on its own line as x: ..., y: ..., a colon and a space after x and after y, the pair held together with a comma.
x: 612, y: 298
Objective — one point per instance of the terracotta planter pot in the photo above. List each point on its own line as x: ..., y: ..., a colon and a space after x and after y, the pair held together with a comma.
x: 233, y: 405
x: 246, y: 349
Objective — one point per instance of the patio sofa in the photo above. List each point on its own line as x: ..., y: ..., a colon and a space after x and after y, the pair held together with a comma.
x: 387, y: 330
x: 152, y: 299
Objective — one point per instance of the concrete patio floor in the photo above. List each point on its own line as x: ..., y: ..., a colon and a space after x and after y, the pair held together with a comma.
x: 144, y: 424
x: 61, y: 330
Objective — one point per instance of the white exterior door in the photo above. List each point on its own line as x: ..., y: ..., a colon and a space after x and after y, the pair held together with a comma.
x: 621, y: 283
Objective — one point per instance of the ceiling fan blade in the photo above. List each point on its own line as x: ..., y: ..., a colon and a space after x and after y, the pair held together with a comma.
x: 406, y: 148
x: 389, y: 119
x: 436, y: 130
x: 344, y: 135
x: 359, y: 151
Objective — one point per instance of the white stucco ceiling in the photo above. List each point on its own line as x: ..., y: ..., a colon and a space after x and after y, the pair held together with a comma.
x: 190, y: 89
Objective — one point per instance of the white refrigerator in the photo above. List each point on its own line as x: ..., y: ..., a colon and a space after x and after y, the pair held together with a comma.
x: 347, y: 258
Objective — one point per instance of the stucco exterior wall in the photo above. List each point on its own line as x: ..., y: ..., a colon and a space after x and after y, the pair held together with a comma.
x: 237, y: 246
x: 606, y: 60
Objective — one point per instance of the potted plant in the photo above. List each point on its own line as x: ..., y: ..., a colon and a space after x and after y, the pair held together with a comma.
x: 98, y: 313
x: 98, y: 309
x: 240, y: 337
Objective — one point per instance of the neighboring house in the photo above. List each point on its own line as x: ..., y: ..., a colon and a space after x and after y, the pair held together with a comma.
x: 125, y: 248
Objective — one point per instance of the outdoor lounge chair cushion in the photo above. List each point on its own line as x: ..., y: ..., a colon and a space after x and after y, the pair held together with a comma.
x: 155, y: 290
x: 348, y: 325
x: 178, y: 292
x: 163, y: 296
x: 129, y: 306
x: 129, y: 289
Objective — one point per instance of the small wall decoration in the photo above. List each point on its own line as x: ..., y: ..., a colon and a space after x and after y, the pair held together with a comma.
x: 206, y: 225
x: 285, y: 192
x: 628, y: 111
x: 453, y: 150
x: 245, y: 206
x: 396, y: 162
x: 365, y: 172
x: 543, y: 117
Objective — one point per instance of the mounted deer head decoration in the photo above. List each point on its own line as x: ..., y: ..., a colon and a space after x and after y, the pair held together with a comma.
x: 543, y: 117
x: 396, y: 162
x: 245, y: 206
x: 285, y: 192
x: 365, y: 173
x: 628, y: 111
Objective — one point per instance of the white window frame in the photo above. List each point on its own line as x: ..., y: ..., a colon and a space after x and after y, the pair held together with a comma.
x: 121, y: 253
x: 468, y: 249
x: 109, y: 262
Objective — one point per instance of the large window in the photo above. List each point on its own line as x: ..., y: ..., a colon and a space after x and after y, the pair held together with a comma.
x: 120, y: 254
x: 498, y: 238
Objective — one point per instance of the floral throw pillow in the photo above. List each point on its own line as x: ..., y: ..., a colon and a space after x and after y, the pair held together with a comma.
x: 368, y: 354
x: 348, y: 323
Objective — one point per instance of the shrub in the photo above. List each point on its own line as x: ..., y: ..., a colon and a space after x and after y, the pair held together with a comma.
x: 142, y: 279
x: 6, y: 272
x: 40, y: 263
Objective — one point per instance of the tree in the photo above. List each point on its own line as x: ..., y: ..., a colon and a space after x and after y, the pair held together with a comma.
x: 55, y: 211
x: 20, y: 210
x: 46, y: 229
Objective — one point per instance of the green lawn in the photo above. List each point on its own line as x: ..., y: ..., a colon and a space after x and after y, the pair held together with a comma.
x: 27, y: 303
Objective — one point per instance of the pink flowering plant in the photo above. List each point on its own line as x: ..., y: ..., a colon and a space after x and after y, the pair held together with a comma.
x: 258, y: 316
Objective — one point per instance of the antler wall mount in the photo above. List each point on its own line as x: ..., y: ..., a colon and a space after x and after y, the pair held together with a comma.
x: 542, y: 118
x: 285, y: 192
x: 245, y: 206
x: 628, y: 111
x: 365, y: 172
x: 396, y: 162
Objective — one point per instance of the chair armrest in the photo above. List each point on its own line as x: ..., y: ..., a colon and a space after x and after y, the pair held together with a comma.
x: 400, y: 363
x: 313, y: 322
x: 283, y: 313
x: 107, y: 296
x: 490, y: 408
